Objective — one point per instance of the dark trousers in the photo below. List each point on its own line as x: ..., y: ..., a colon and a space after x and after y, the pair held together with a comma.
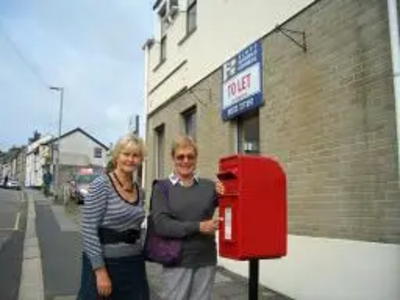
x: 128, y: 279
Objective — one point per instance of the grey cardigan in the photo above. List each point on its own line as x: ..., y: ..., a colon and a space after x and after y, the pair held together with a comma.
x: 189, y: 206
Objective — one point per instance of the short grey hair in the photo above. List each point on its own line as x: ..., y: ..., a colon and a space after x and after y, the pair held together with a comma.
x: 184, y: 141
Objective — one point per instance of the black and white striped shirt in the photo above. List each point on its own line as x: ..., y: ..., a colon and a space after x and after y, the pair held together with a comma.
x: 104, y: 207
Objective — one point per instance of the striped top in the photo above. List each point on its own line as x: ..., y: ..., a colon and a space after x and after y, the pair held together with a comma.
x: 104, y: 207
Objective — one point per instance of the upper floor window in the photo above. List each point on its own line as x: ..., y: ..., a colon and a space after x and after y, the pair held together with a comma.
x: 191, y: 22
x: 173, y: 5
x: 162, y: 13
x: 163, y: 48
x: 163, y: 31
x: 98, y: 152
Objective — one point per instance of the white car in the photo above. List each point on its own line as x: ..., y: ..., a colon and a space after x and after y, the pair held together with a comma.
x: 13, y: 184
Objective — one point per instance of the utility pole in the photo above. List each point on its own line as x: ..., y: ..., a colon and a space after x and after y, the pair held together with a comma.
x: 136, y: 131
x: 60, y: 117
x: 134, y: 127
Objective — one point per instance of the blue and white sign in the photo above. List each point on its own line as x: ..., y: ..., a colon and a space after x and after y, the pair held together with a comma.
x: 242, y: 82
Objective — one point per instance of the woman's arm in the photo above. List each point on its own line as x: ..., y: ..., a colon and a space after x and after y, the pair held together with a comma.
x: 93, y: 212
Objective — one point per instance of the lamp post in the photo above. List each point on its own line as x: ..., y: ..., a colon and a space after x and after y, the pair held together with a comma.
x: 57, y: 171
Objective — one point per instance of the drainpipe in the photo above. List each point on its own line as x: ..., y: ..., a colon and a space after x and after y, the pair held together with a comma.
x: 395, y: 49
x: 146, y: 50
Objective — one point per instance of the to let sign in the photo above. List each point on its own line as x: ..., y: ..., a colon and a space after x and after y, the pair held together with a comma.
x: 242, y: 82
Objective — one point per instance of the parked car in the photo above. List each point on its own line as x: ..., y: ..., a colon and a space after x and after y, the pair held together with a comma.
x: 78, y: 187
x: 13, y: 185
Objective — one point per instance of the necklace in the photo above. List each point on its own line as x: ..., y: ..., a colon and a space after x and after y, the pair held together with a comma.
x: 130, y: 189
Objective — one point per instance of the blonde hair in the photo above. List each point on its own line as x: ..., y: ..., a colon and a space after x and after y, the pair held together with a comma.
x: 130, y: 142
x: 183, y: 142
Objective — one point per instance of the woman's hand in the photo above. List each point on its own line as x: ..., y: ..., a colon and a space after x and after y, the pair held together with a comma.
x: 208, y: 226
x: 219, y: 187
x: 103, y: 281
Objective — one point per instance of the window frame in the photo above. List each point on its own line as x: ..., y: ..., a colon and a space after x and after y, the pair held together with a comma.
x: 95, y: 149
x: 189, y: 118
x: 240, y: 136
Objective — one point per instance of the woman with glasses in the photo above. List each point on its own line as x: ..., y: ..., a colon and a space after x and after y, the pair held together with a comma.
x: 113, y: 264
x: 187, y: 214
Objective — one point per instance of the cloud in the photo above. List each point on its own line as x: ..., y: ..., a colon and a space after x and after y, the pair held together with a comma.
x: 91, y: 48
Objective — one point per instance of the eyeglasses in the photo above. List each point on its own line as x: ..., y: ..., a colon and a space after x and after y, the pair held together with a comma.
x: 182, y: 157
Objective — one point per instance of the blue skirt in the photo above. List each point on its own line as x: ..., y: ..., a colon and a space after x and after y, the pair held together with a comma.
x: 128, y: 279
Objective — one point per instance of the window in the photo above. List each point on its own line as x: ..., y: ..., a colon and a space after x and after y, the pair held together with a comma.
x: 163, y: 49
x: 98, y: 152
x: 159, y: 151
x: 249, y: 133
x: 191, y: 22
x: 163, y: 30
x: 173, y: 3
x: 189, y: 120
x: 173, y: 7
x: 163, y: 20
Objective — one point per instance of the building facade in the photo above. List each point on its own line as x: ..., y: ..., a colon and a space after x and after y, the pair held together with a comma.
x: 18, y: 165
x: 21, y: 166
x: 37, y: 157
x: 311, y: 84
x: 78, y: 149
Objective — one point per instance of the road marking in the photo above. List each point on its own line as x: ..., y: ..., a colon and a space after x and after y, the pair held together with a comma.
x: 16, y: 225
x: 7, y: 229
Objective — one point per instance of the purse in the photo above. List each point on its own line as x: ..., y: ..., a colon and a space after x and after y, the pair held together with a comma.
x: 159, y: 249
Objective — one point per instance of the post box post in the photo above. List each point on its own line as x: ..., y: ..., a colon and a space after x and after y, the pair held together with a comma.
x: 254, y: 269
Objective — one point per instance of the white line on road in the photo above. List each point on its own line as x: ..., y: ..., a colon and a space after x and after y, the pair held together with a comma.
x: 16, y: 224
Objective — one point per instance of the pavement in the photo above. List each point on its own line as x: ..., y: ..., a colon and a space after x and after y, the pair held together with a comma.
x: 52, y: 257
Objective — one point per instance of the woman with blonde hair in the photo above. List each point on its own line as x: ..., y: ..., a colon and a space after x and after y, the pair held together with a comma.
x: 113, y: 265
x: 183, y: 206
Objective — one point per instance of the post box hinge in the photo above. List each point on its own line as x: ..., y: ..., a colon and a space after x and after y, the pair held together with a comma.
x: 289, y: 33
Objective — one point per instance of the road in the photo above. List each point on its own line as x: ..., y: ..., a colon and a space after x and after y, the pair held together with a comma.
x: 57, y: 276
x: 12, y: 231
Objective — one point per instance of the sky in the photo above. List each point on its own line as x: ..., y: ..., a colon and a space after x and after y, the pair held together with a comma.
x: 92, y: 48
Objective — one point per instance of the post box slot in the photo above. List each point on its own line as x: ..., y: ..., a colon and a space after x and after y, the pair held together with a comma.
x: 230, y: 181
x: 229, y: 195
x: 227, y: 175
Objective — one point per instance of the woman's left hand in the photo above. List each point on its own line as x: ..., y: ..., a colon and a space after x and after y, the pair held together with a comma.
x: 219, y: 187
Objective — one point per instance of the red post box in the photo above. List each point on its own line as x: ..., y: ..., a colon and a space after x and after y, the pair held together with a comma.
x: 252, y: 212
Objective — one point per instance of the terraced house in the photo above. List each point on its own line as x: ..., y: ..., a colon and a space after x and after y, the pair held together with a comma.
x: 313, y: 84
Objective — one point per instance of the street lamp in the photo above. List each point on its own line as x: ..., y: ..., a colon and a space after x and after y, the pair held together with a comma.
x: 57, y: 173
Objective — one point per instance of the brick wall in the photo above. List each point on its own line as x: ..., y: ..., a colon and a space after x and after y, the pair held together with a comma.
x: 328, y: 117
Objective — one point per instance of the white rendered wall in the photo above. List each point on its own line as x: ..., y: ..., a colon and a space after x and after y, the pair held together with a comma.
x: 330, y: 269
x: 78, y: 143
x: 224, y: 27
